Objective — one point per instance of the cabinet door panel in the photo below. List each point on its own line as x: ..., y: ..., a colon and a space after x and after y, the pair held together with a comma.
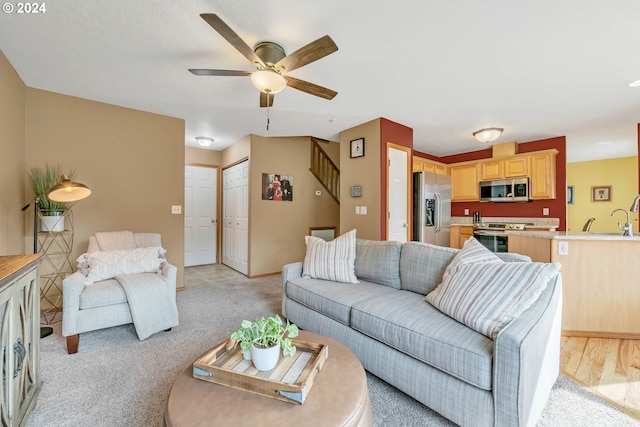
x: 516, y: 167
x: 492, y: 170
x: 542, y: 184
x: 464, y: 183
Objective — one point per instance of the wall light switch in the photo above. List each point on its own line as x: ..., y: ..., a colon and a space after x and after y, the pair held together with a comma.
x: 363, y: 210
x: 563, y: 248
x: 176, y: 209
x: 545, y: 211
x: 357, y: 210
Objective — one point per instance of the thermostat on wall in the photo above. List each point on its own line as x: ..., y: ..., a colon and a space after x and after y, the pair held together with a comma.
x: 356, y: 191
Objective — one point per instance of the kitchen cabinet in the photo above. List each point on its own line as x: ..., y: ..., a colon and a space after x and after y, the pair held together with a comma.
x: 504, y: 168
x: 459, y: 235
x: 420, y: 165
x: 542, y: 175
x: 20, y: 337
x: 464, y: 183
x: 600, y: 291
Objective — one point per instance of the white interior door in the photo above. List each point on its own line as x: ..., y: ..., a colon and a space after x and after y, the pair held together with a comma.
x: 398, y: 195
x: 235, y: 227
x: 200, y: 218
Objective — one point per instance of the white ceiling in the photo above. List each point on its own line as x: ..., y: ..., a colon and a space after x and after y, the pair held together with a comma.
x: 444, y: 68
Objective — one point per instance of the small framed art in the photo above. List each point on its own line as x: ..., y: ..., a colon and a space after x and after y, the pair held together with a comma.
x: 357, y: 148
x: 570, y: 194
x: 601, y: 193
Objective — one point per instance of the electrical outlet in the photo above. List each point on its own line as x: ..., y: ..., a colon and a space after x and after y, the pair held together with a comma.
x: 466, y: 211
x: 176, y: 209
x: 563, y: 248
x: 545, y: 211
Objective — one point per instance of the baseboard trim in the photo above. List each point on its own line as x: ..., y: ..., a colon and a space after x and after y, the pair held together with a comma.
x: 593, y: 334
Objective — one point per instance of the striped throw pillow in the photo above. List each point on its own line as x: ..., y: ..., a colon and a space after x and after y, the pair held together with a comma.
x: 487, y: 296
x: 334, y: 260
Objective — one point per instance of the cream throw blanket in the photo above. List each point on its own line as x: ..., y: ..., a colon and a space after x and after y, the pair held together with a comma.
x: 153, y: 307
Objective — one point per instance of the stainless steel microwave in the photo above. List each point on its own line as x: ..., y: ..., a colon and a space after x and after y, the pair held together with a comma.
x: 505, y: 190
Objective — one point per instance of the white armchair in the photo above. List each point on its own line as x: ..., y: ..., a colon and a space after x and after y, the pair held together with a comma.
x: 105, y: 303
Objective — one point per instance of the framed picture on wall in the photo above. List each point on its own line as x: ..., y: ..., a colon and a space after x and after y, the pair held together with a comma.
x: 570, y: 194
x: 277, y: 187
x: 601, y: 193
x: 357, y: 148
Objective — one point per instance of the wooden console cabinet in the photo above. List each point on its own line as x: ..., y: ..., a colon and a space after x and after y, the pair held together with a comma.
x: 20, y: 337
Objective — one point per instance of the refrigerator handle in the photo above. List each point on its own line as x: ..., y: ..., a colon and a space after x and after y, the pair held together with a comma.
x: 436, y: 214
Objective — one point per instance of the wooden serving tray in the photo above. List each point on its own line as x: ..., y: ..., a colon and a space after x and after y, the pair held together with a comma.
x: 290, y: 381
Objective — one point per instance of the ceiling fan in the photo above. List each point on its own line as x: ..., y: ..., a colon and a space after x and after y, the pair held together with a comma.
x: 272, y: 63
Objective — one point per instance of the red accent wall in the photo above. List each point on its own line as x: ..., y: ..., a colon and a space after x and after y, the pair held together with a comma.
x: 399, y: 135
x: 557, y: 207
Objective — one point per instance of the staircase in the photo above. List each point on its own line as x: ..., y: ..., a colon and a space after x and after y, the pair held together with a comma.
x: 325, y: 170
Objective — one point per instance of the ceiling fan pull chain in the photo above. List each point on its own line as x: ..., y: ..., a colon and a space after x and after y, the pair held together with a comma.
x: 268, y: 108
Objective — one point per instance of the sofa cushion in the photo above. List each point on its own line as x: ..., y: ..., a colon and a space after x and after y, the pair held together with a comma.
x: 378, y: 262
x: 487, y: 296
x: 106, y: 292
x: 332, y: 299
x: 472, y: 252
x: 334, y: 260
x: 404, y: 322
x: 422, y: 266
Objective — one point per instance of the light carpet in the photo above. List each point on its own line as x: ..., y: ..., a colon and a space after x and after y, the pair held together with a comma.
x: 116, y: 380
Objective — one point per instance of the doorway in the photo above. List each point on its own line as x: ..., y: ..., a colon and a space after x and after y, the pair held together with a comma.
x: 398, y: 192
x: 200, y: 215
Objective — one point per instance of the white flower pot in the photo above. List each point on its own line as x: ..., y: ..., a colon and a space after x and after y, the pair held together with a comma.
x: 246, y: 355
x: 265, y: 359
x: 52, y: 223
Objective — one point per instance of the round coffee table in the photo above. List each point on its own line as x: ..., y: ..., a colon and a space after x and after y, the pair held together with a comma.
x: 339, y: 397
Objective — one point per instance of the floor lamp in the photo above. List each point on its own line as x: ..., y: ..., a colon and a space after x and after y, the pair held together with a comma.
x: 66, y: 191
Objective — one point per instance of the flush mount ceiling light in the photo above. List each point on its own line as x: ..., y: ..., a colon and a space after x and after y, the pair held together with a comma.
x: 487, y: 134
x: 268, y: 81
x: 204, y: 141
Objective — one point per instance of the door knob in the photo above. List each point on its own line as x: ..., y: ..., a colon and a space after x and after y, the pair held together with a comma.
x: 213, y: 221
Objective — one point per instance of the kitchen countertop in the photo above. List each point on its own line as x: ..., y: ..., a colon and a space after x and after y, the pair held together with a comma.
x: 541, y: 223
x: 575, y: 235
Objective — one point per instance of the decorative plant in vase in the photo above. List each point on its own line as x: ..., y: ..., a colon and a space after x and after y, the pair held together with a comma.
x: 43, y: 180
x: 264, y: 337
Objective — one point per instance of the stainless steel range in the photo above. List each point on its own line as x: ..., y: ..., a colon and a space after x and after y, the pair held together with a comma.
x: 493, y: 234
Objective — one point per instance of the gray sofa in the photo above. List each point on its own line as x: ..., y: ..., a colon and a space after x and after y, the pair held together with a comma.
x: 463, y: 375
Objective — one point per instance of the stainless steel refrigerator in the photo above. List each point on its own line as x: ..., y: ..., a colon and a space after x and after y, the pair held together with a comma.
x: 431, y: 208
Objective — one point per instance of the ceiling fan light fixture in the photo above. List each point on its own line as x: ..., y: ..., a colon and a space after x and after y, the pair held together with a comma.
x: 204, y: 141
x: 268, y: 81
x: 487, y: 134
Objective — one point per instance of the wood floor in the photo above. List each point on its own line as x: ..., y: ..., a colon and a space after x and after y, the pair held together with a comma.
x: 609, y: 368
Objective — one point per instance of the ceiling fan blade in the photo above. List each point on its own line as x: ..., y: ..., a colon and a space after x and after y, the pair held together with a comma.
x: 266, y: 99
x: 310, y: 88
x: 307, y: 54
x: 207, y: 72
x: 234, y: 39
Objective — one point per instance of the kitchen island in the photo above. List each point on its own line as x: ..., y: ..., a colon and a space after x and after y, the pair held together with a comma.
x: 600, y: 276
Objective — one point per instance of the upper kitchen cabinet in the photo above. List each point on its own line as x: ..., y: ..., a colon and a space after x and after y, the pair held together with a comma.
x: 420, y: 165
x: 542, y: 173
x: 504, y: 168
x: 464, y: 183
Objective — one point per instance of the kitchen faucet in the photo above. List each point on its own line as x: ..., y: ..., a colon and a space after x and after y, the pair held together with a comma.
x: 634, y: 205
x: 628, y: 227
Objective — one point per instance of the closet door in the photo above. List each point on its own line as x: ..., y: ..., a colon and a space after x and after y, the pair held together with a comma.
x: 235, y: 206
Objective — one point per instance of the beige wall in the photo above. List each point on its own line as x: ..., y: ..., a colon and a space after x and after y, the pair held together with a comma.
x: 236, y: 152
x: 198, y: 156
x: 277, y: 229
x: 12, y: 162
x: 363, y: 171
x: 133, y: 162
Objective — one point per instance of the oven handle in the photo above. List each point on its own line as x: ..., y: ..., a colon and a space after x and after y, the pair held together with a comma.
x: 489, y: 233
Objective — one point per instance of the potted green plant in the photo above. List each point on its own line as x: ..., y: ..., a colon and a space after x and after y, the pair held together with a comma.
x: 264, y: 337
x: 42, y: 180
